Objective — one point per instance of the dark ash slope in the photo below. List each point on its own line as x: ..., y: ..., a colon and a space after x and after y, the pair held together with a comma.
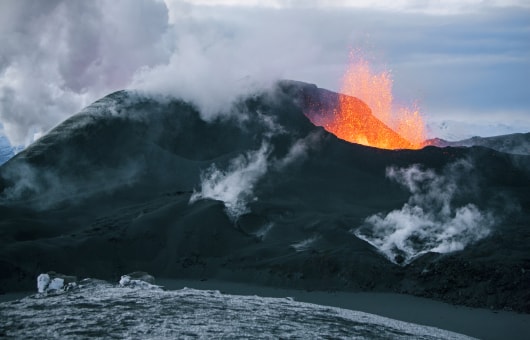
x: 108, y: 192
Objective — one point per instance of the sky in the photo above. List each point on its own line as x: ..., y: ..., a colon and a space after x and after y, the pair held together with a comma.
x: 465, y: 63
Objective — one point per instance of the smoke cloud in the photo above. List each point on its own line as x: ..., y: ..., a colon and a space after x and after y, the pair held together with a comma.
x: 59, y: 56
x: 56, y: 57
x: 433, y: 220
x: 234, y: 186
x: 298, y: 150
x: 44, y: 188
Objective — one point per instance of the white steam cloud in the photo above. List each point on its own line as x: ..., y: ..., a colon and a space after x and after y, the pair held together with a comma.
x: 234, y: 187
x: 298, y: 150
x: 430, y: 221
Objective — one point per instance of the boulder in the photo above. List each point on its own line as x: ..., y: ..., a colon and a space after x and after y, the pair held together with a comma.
x: 52, y: 281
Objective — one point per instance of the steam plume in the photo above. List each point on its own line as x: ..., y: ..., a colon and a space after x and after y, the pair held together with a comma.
x: 430, y: 221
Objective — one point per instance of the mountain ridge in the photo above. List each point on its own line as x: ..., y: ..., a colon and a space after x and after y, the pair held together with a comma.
x: 110, y: 191
x: 516, y: 143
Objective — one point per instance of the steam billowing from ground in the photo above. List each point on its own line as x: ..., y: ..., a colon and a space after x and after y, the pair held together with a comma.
x: 432, y: 220
x: 235, y: 185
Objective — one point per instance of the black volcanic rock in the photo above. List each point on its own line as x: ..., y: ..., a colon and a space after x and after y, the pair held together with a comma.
x: 117, y: 188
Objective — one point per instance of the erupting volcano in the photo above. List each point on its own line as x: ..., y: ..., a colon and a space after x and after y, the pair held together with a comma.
x: 365, y: 112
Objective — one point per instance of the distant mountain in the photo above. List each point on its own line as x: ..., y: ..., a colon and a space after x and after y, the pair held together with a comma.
x: 135, y: 182
x: 516, y: 143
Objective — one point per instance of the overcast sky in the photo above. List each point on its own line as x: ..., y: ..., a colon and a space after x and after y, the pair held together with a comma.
x: 466, y: 62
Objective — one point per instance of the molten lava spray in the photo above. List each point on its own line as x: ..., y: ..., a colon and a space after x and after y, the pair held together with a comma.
x: 392, y: 127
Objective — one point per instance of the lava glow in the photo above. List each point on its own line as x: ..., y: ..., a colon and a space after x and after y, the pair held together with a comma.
x: 379, y: 123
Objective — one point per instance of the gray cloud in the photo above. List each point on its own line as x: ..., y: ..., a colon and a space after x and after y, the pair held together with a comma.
x: 58, y: 56
x: 461, y: 60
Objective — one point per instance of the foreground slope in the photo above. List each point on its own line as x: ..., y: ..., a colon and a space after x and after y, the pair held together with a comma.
x: 258, y: 194
x: 100, y: 309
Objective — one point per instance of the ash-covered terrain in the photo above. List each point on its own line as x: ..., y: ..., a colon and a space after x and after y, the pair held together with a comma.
x: 260, y: 194
x: 99, y: 309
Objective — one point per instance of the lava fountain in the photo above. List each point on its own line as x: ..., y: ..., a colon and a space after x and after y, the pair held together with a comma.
x: 366, y: 113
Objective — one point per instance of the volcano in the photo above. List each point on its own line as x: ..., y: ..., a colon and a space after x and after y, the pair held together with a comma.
x: 351, y: 119
x: 261, y: 194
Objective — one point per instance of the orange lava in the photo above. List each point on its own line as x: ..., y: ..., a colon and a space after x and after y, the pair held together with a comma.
x: 378, y: 123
